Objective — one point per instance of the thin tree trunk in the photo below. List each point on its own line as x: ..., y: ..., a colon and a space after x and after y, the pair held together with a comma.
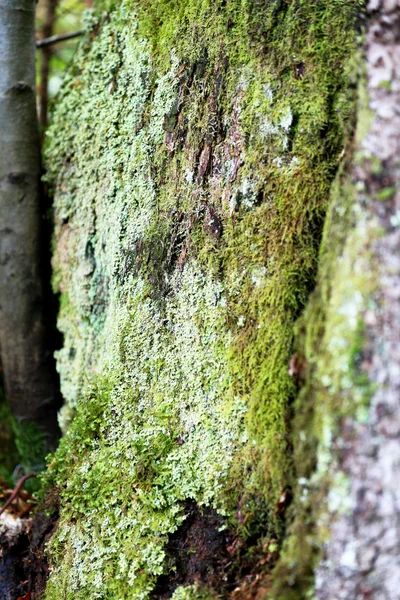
x: 27, y: 365
x: 47, y: 51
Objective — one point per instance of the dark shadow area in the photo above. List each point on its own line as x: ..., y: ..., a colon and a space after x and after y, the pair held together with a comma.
x: 197, y: 552
x: 24, y: 568
x: 53, y: 339
x: 203, y: 551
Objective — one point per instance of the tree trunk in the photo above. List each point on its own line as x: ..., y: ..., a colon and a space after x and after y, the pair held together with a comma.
x: 29, y: 380
x: 227, y: 236
x: 361, y: 558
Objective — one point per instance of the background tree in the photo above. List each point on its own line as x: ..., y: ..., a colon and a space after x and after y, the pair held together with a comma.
x: 56, y: 20
x: 47, y: 51
x: 29, y: 374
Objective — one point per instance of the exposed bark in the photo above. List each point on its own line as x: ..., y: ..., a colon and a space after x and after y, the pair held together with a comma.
x: 27, y: 365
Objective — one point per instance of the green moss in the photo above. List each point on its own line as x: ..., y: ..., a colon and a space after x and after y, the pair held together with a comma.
x: 145, y: 440
x: 199, y: 143
x: 386, y: 194
x: 332, y: 341
x: 9, y: 457
x: 193, y: 592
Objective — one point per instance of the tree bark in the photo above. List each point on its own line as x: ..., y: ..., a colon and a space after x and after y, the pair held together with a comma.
x: 361, y: 558
x: 27, y: 365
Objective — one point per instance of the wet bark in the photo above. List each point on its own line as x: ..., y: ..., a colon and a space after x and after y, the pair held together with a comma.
x: 27, y: 364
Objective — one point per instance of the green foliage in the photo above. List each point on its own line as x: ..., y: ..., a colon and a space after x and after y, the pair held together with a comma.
x: 192, y: 156
x: 30, y: 443
x: 31, y: 446
x: 9, y: 457
x: 193, y: 592
x: 68, y: 19
x: 21, y: 443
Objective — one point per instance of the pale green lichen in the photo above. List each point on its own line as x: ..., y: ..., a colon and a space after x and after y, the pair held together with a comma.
x: 192, y: 592
x: 164, y: 433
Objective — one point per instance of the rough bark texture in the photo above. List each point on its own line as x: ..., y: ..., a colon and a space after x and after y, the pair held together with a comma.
x: 27, y: 365
x: 225, y: 250
x: 361, y: 560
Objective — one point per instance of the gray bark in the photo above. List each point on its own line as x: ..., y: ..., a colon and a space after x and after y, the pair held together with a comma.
x: 29, y: 381
x: 362, y: 557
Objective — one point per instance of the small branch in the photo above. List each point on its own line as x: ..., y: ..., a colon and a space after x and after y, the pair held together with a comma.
x: 16, y: 490
x: 55, y: 39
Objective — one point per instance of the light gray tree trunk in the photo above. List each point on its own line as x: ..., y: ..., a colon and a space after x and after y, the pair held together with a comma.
x: 27, y: 367
x: 361, y: 558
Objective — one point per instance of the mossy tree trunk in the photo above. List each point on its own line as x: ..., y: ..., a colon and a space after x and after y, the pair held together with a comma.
x: 27, y: 363
x: 227, y: 182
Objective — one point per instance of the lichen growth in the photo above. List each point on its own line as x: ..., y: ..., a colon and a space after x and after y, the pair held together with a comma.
x: 192, y: 592
x: 192, y: 154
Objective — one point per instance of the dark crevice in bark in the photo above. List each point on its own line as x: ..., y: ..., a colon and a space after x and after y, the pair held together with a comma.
x: 24, y: 568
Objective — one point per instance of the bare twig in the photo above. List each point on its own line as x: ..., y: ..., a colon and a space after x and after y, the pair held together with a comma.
x: 55, y: 39
x: 16, y: 490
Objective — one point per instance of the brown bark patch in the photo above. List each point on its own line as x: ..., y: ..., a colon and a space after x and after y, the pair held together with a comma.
x: 203, y: 551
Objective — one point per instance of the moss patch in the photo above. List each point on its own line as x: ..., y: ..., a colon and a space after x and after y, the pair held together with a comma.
x: 330, y: 338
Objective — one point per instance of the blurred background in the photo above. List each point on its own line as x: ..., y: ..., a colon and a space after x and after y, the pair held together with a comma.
x: 22, y: 446
x: 55, y: 18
